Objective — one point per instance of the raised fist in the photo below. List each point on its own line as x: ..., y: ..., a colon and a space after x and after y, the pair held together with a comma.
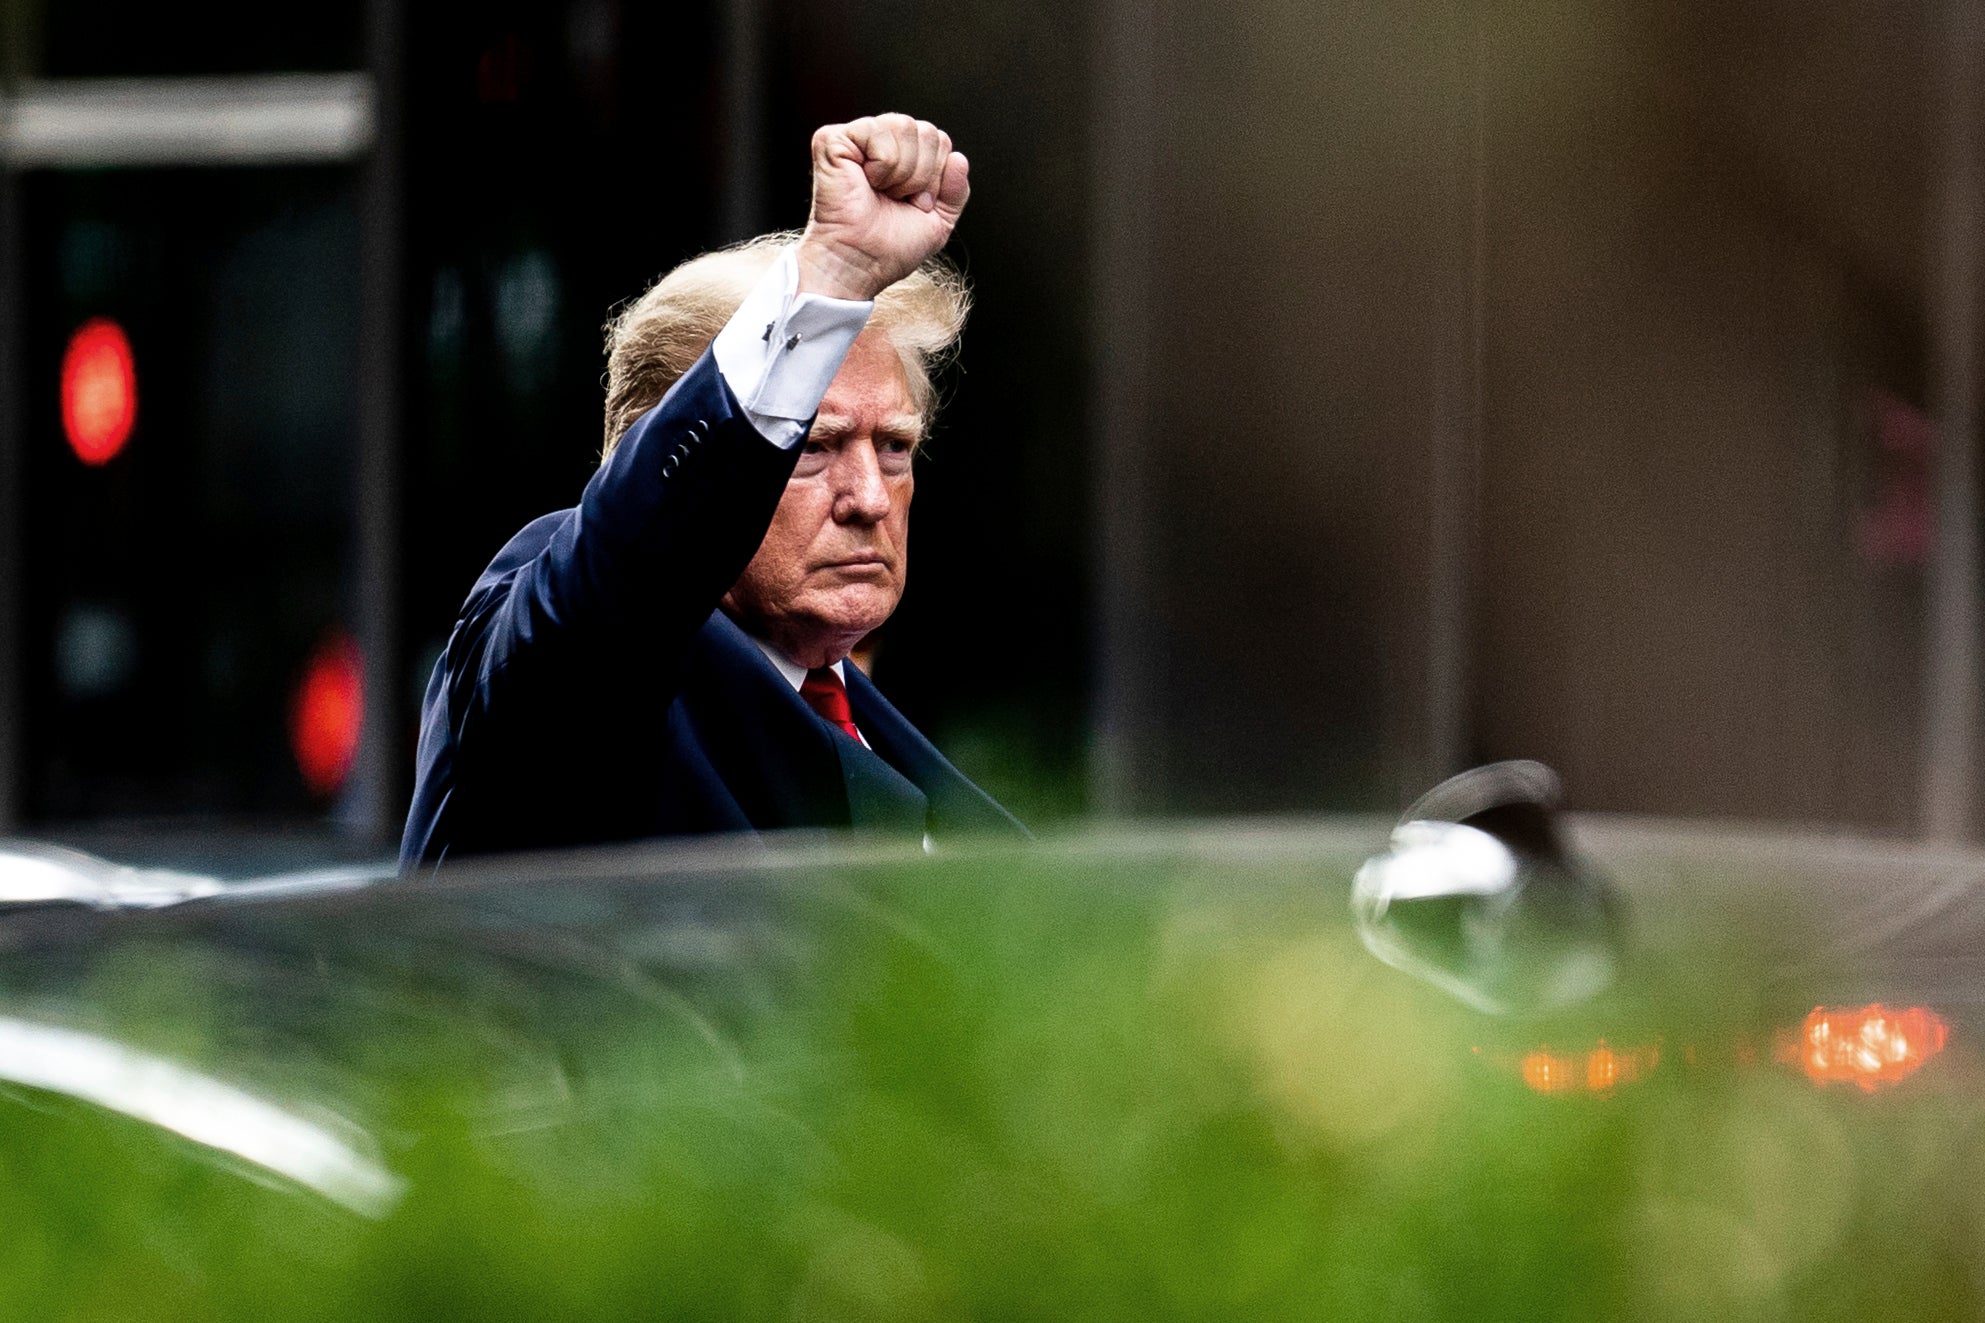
x: 887, y: 191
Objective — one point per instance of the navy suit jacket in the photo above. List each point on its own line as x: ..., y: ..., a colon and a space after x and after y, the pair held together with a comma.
x: 591, y: 691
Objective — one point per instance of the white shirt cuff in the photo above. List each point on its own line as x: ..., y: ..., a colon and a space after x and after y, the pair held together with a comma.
x: 780, y: 352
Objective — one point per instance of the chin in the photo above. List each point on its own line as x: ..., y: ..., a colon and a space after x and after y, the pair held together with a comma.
x: 858, y: 610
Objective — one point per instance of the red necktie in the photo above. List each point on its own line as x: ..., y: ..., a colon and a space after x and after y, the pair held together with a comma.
x: 824, y: 693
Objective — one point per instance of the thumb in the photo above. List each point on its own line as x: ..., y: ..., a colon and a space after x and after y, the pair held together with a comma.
x: 955, y: 187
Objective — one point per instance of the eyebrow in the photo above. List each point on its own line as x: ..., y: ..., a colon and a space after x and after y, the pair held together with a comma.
x: 901, y: 426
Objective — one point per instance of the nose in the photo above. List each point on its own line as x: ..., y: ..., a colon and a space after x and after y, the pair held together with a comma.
x: 860, y: 494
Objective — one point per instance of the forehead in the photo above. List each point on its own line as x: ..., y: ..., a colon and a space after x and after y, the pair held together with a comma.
x: 871, y: 388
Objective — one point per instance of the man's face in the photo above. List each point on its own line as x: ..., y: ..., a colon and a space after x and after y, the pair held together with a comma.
x: 833, y: 564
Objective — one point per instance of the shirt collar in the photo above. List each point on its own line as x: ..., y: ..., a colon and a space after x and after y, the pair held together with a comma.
x: 794, y: 672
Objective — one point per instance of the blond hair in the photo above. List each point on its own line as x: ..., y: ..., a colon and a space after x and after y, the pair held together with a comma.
x: 652, y: 341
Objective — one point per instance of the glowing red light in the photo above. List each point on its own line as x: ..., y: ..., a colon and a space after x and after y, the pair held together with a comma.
x: 1871, y: 1046
x: 99, y: 391
x: 326, y: 714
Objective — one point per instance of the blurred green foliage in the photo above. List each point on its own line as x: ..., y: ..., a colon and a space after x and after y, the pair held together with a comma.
x: 1007, y: 1087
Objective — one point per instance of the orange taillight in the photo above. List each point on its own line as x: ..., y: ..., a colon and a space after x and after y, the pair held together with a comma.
x: 1600, y: 1070
x: 1872, y: 1046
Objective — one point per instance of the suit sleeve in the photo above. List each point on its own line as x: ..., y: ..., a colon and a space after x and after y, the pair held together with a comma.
x: 575, y: 636
x: 570, y: 642
x: 663, y: 530
x: 670, y: 521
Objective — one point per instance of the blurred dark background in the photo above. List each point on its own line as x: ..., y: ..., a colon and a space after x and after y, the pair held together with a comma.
x: 1354, y: 393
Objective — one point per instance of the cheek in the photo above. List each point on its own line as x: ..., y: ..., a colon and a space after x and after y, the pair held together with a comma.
x: 773, y: 572
x: 794, y: 527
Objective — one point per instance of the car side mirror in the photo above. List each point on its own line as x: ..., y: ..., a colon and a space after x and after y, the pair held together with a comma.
x: 1479, y: 895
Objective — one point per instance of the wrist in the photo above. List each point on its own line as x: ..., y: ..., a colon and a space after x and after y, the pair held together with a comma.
x: 829, y: 270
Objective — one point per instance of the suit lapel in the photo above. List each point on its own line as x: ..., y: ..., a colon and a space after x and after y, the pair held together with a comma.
x: 956, y: 805
x: 785, y: 765
x: 769, y: 748
x: 788, y: 768
x: 880, y: 798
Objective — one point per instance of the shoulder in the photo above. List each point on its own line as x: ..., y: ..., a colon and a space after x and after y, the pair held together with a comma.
x: 492, y: 587
x: 525, y: 545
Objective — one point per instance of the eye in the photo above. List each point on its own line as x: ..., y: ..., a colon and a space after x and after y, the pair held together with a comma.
x: 812, y: 460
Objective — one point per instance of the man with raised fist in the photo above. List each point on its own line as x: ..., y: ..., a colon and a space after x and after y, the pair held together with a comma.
x: 669, y: 656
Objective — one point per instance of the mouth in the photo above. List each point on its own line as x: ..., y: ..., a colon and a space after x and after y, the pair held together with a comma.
x: 859, y: 564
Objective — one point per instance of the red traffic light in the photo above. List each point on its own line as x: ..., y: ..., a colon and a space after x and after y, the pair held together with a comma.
x: 326, y: 715
x: 99, y: 391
